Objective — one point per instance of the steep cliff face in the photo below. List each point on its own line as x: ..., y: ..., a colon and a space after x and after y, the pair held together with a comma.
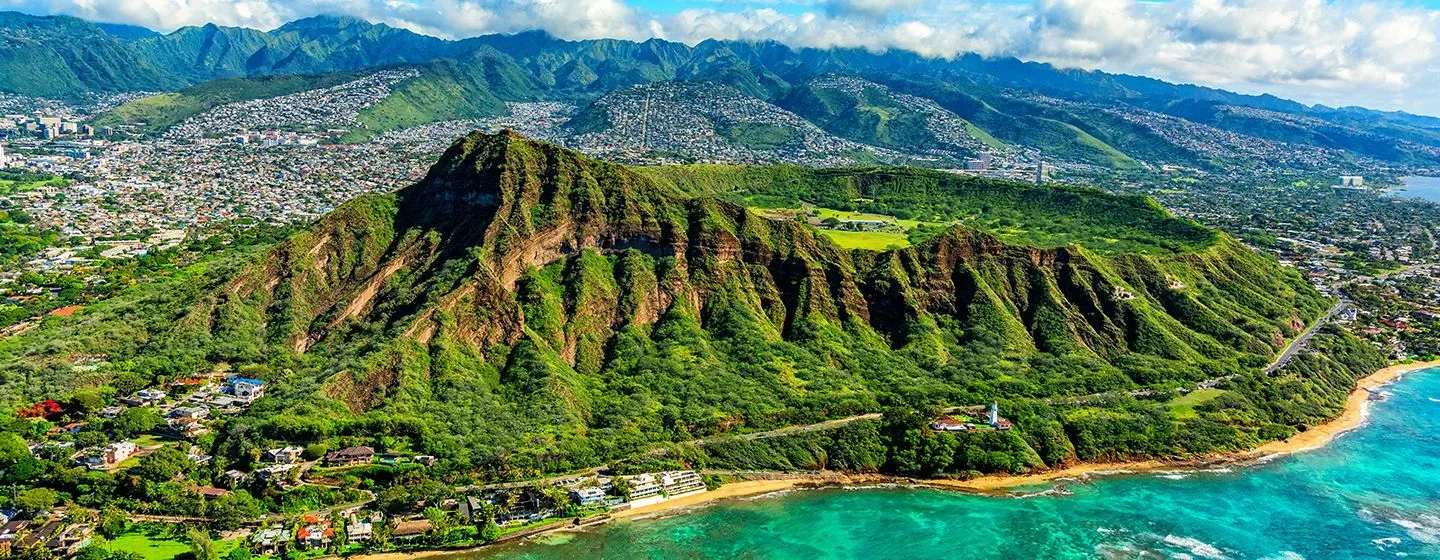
x: 550, y: 279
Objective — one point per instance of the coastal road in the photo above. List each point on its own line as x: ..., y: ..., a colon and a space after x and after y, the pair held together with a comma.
x: 799, y: 429
x: 1291, y: 350
x: 1300, y: 342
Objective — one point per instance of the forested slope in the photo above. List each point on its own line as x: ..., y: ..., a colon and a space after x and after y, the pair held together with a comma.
x: 526, y: 308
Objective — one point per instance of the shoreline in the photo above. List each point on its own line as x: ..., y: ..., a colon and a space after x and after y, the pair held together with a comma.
x: 1354, y: 415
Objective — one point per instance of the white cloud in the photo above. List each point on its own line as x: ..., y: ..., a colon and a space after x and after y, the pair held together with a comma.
x: 1343, y: 51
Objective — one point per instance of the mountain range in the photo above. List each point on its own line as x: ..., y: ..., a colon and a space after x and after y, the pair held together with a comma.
x: 1090, y: 117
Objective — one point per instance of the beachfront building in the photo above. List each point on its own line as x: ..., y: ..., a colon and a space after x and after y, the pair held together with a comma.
x: 588, y: 496
x: 680, y: 483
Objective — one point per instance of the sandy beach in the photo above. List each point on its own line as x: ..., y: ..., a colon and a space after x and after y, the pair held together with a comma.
x: 1357, y: 408
x: 1354, y: 415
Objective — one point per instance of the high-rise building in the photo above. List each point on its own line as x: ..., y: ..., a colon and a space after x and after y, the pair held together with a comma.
x: 3, y: 162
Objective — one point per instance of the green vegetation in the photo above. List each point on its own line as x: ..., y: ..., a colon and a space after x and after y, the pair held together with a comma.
x: 1018, y: 213
x: 158, y: 112
x: 1184, y: 406
x: 15, y: 180
x: 756, y: 136
x: 867, y: 240
x: 151, y: 542
x: 529, y: 310
x: 870, y: 116
x: 1241, y: 415
x: 448, y: 90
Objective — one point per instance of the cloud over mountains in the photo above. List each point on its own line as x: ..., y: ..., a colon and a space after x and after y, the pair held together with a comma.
x: 1373, y: 53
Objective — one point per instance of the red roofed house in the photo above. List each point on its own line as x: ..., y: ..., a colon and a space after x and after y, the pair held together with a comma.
x: 948, y: 424
x: 316, y: 533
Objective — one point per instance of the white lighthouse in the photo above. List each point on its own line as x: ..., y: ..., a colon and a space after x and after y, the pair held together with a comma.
x: 994, y: 414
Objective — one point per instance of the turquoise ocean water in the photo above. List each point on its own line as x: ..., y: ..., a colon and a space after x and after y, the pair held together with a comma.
x: 1373, y: 493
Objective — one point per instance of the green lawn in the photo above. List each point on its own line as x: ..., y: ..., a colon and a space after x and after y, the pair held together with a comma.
x: 149, y: 545
x: 1184, y: 407
x: 151, y: 440
x: 155, y: 541
x: 868, y: 240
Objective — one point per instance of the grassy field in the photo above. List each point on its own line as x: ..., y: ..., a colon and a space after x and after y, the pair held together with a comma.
x: 150, y: 545
x: 154, y: 541
x: 1184, y: 407
x: 868, y: 240
x: 7, y: 185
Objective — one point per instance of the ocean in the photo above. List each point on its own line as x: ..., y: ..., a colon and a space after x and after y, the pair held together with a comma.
x: 1372, y: 493
x: 1423, y: 188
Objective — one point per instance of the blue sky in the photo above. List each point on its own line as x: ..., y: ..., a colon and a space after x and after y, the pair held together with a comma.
x: 1375, y: 53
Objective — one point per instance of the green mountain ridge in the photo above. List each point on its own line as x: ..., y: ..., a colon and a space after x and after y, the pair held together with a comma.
x: 1004, y: 99
x: 526, y: 308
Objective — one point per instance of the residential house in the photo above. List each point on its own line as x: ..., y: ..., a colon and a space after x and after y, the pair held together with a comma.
x: 643, y: 486
x: 472, y: 506
x: 349, y: 456
x: 111, y: 411
x: 187, y: 427
x: 949, y: 424
x: 71, y: 540
x: 150, y: 396
x: 245, y: 389
x: 270, y: 541
x: 359, y: 528
x: 316, y: 532
x: 588, y: 496
x: 408, y: 530
x: 41, y: 535
x: 111, y: 455
x: 285, y: 455
x: 197, y: 455
x: 196, y: 412
x: 234, y: 479
x: 274, y: 472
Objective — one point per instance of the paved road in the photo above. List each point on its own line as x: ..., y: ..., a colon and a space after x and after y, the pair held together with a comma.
x: 1300, y: 341
x: 1291, y: 350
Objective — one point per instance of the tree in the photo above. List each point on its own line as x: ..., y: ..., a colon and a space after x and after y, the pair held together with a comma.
x: 558, y: 497
x: 440, y: 522
x: 162, y: 465
x: 342, y: 537
x: 37, y: 499
x: 239, y: 553
x: 135, y: 421
x: 232, y: 510
x: 12, y: 449
x: 201, y: 546
x: 93, y: 551
x: 488, y: 530
x: 620, y: 486
x: 85, y: 401
x: 316, y: 450
x: 112, y: 522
